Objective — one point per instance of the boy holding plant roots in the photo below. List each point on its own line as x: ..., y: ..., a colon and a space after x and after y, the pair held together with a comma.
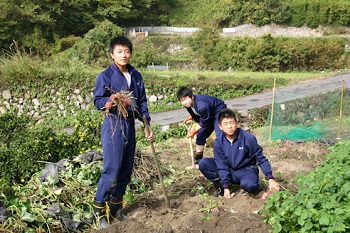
x: 120, y: 94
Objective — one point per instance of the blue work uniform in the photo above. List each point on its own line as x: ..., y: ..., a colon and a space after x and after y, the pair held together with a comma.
x: 206, y: 114
x: 237, y: 162
x: 118, y: 133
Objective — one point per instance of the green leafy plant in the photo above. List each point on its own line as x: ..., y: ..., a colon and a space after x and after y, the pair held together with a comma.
x: 27, y: 146
x: 321, y: 202
x: 72, y: 193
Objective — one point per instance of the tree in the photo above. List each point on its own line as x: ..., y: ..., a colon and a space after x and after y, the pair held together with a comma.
x: 20, y: 18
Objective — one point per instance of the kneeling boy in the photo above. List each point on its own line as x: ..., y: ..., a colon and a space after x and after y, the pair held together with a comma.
x: 237, y: 156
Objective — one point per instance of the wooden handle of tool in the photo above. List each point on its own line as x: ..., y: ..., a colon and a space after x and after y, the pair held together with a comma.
x: 145, y: 122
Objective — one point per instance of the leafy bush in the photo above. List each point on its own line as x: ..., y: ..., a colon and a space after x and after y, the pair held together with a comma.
x: 321, y: 203
x: 93, y: 48
x: 26, y: 147
x: 52, y: 206
x: 144, y: 53
x: 316, y: 13
x: 66, y: 204
x: 267, y: 53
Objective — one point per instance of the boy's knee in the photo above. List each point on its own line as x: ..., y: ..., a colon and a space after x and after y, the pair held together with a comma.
x: 251, y: 187
x: 202, y: 164
x: 205, y: 164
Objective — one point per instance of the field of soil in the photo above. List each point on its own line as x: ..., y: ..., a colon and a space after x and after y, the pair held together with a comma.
x: 193, y: 207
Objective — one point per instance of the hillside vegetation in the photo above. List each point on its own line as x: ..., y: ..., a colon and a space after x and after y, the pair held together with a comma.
x: 44, y: 26
x: 53, y: 50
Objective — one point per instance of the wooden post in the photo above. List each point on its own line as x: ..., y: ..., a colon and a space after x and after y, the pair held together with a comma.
x: 341, y: 111
x: 272, y: 107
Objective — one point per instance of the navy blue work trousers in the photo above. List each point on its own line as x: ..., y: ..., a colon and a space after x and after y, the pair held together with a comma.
x: 118, y: 144
x: 247, y: 178
x: 204, y: 133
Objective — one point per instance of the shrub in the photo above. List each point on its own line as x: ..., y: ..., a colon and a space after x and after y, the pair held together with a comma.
x: 321, y: 203
x: 144, y: 53
x: 93, y: 48
x: 26, y: 147
x: 267, y: 53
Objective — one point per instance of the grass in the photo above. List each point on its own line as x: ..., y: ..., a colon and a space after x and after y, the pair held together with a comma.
x: 214, y: 77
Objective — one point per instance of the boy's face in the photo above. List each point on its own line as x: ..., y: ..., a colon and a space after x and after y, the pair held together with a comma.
x: 186, y: 101
x: 121, y: 55
x: 229, y: 126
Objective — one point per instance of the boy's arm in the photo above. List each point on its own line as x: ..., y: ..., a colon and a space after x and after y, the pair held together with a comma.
x: 192, y: 115
x: 204, y: 113
x: 101, y: 96
x: 221, y: 164
x: 256, y: 151
x: 142, y: 102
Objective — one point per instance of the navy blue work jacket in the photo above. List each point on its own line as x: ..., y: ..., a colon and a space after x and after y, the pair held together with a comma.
x: 244, y: 151
x: 115, y: 80
x: 208, y: 108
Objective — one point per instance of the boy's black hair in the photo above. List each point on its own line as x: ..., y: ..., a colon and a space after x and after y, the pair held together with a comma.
x: 226, y: 113
x: 184, y: 92
x: 120, y: 40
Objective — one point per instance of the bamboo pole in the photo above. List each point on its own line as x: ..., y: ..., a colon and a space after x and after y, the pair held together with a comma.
x: 193, y: 165
x: 341, y: 111
x: 145, y: 122
x: 272, y: 107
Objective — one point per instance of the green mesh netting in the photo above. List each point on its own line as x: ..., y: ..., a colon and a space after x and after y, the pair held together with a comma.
x: 298, y: 116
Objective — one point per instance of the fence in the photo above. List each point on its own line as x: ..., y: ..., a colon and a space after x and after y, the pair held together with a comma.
x: 158, y: 67
x: 146, y: 30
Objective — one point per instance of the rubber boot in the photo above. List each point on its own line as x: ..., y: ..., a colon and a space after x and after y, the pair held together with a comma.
x: 116, y: 208
x: 101, y: 214
x: 220, y: 190
x: 198, y: 155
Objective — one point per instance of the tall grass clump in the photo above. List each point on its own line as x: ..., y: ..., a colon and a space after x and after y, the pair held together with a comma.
x: 19, y: 65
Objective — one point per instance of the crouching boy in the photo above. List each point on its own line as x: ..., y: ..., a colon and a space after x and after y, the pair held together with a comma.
x: 237, y: 156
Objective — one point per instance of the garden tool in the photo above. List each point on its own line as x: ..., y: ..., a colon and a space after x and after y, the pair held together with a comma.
x: 145, y: 122
x: 193, y: 165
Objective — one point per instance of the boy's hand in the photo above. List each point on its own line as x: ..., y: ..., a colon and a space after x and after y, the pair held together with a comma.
x: 149, y: 137
x: 273, y: 185
x: 108, y: 105
x: 228, y: 194
x: 188, y: 120
x: 192, y: 133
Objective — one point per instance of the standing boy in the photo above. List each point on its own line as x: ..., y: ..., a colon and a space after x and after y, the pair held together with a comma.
x: 237, y: 156
x: 204, y: 110
x: 118, y: 130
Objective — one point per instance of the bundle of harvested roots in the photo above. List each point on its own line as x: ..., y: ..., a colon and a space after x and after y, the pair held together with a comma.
x: 120, y: 101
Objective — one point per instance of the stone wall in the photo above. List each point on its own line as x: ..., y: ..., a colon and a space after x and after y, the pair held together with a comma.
x: 50, y: 102
x: 53, y: 102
